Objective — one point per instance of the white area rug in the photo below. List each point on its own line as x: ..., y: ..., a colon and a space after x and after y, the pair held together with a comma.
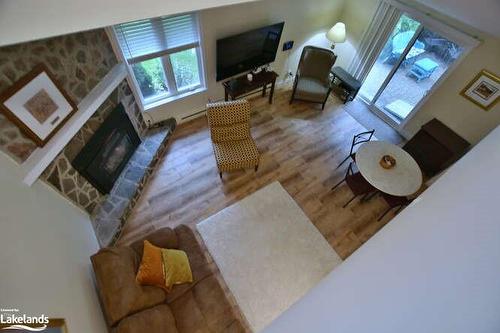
x: 268, y: 251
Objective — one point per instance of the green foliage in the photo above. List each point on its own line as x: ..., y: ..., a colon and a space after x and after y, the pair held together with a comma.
x: 185, y: 64
x: 149, y: 75
x: 404, y: 24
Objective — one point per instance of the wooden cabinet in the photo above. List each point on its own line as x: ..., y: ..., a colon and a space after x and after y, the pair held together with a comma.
x: 435, y: 147
x: 240, y: 86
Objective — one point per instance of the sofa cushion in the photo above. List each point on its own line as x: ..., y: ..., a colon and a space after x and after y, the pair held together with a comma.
x: 204, y: 308
x: 155, y: 320
x: 165, y: 238
x: 188, y: 316
x: 200, y: 267
x: 115, y: 269
x: 151, y: 272
x: 176, y: 268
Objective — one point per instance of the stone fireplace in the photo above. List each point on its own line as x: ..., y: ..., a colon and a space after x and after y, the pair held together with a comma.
x: 81, y: 62
x: 106, y: 154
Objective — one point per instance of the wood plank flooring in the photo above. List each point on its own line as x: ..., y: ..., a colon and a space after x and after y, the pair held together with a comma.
x: 300, y: 147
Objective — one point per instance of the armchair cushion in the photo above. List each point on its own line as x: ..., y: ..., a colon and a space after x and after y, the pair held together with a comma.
x: 316, y: 63
x: 312, y: 82
x: 311, y: 89
x: 228, y: 113
x: 229, y: 124
x: 234, y: 132
x: 235, y: 155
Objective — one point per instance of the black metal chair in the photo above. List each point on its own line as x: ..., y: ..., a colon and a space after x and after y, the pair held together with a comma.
x: 357, y: 140
x: 357, y: 183
x: 393, y: 202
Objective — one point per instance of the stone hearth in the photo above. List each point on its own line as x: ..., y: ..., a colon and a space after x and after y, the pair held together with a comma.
x: 110, y: 216
x: 80, y: 62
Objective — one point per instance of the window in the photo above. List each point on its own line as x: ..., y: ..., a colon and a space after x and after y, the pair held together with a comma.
x: 163, y: 54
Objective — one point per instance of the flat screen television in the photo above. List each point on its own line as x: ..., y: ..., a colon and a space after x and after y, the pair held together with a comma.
x: 248, y: 50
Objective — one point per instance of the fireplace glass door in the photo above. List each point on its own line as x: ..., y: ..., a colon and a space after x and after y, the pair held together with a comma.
x: 106, y: 154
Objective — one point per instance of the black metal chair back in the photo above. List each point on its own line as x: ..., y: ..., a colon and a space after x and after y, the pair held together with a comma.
x: 357, y: 140
x: 361, y: 138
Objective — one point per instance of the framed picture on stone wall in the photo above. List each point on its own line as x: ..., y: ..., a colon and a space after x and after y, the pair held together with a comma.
x: 37, y: 104
x: 483, y: 90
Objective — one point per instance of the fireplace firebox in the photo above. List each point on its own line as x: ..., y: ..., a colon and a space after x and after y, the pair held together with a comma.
x: 106, y: 154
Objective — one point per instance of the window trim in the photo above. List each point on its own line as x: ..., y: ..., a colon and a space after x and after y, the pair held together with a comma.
x: 173, y: 93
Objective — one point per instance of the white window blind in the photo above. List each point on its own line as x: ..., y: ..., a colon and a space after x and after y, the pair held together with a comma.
x: 145, y: 39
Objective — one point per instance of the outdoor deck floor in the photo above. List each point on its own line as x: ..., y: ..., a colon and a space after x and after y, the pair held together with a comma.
x: 402, y: 86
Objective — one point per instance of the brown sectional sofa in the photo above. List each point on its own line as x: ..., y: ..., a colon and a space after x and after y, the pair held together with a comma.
x: 200, y: 306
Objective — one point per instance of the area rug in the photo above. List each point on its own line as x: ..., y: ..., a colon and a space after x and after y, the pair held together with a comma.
x: 268, y: 251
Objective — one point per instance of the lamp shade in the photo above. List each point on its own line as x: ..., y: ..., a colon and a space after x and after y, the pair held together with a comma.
x: 337, y: 33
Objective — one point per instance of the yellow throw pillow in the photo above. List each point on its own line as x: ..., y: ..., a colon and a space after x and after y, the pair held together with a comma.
x: 176, y: 268
x: 151, y: 271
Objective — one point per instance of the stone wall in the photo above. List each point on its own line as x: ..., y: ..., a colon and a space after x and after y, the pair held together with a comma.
x: 78, y: 61
x: 63, y: 177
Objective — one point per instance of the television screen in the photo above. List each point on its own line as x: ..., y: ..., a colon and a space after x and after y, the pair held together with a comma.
x: 239, y: 53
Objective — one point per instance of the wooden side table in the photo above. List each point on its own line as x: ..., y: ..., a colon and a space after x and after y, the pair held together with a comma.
x: 240, y: 86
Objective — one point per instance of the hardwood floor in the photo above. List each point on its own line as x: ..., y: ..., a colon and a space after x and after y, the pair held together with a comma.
x: 300, y: 147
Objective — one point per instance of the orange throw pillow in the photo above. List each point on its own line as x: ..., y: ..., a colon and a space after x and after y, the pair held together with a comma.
x: 151, y: 271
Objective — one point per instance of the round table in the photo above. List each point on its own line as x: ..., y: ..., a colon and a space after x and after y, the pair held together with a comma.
x: 402, y: 180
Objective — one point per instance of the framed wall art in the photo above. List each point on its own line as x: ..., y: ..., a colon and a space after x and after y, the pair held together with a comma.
x: 37, y: 104
x: 483, y: 90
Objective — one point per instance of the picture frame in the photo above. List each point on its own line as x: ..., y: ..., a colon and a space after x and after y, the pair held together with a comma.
x: 483, y: 90
x: 55, y: 325
x: 38, y: 105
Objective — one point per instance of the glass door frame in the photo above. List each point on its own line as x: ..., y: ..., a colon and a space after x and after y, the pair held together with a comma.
x: 391, y: 73
x: 461, y: 38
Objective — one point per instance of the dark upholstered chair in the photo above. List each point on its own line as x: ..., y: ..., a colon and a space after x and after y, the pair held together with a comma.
x: 357, y: 183
x: 312, y: 81
x: 357, y: 140
x: 393, y: 202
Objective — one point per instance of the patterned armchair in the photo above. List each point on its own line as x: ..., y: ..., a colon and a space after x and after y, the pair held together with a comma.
x: 234, y: 147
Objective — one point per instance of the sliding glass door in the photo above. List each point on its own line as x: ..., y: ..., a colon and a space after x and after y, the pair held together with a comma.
x: 414, y: 58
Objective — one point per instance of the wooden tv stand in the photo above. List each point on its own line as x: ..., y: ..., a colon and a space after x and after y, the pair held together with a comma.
x: 241, y: 87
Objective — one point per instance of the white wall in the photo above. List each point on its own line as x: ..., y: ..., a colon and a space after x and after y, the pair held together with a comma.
x: 433, y: 268
x: 357, y: 15
x: 306, y: 22
x: 467, y: 119
x: 26, y: 20
x: 481, y: 14
x: 45, y: 245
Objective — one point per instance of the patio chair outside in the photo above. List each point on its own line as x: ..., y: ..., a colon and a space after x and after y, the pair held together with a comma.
x: 399, y: 44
